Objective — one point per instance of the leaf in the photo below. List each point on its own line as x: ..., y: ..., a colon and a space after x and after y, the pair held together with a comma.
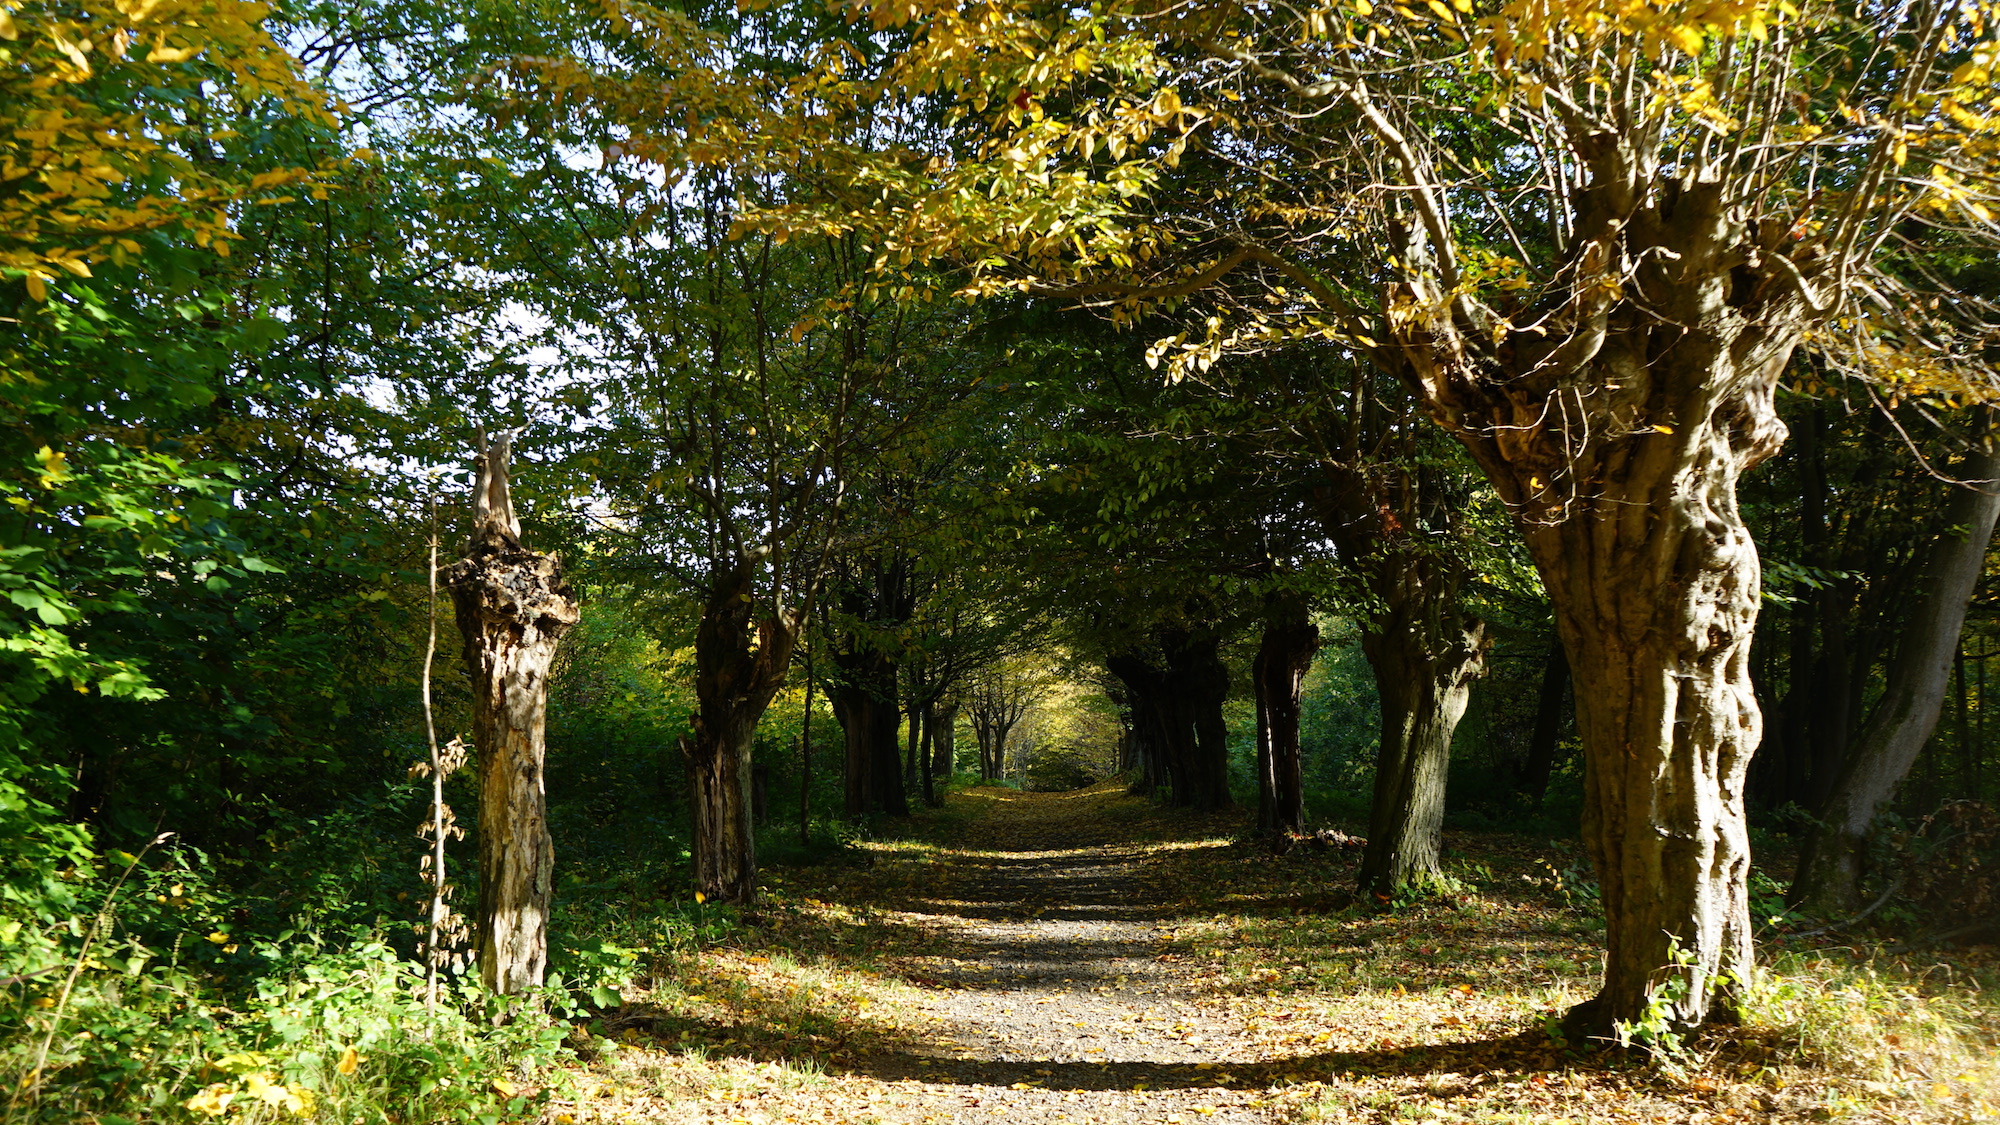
x: 505, y: 1088
x: 350, y: 1061
x: 605, y: 997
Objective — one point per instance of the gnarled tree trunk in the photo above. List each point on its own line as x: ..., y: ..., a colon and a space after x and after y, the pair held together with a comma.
x: 1831, y: 863
x: 512, y: 607
x: 1617, y: 441
x: 864, y: 704
x: 1145, y: 685
x: 1425, y: 655
x: 742, y: 653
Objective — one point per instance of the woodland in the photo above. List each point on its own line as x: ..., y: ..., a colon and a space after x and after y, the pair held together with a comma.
x: 940, y: 560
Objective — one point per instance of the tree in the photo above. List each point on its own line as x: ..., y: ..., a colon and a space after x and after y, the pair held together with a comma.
x: 513, y: 608
x: 1830, y: 863
x: 997, y: 696
x: 1601, y: 324
x: 872, y: 599
x: 133, y: 141
x: 1284, y: 653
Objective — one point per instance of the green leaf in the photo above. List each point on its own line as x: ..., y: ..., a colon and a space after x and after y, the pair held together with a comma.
x: 605, y: 997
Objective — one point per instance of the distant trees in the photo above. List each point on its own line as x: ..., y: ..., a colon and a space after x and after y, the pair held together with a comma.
x: 1948, y: 570
x: 996, y: 698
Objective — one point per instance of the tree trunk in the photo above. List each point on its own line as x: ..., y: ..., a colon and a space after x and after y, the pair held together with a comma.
x: 864, y: 704
x: 1425, y: 656
x: 1541, y: 759
x: 913, y: 768
x: 876, y: 599
x: 922, y: 720
x: 1617, y: 438
x: 512, y: 608
x: 1267, y: 780
x: 1656, y: 591
x: 1197, y: 685
x: 944, y: 742
x: 1830, y: 865
x: 1156, y: 722
x: 741, y: 658
x: 982, y: 734
x: 1290, y: 640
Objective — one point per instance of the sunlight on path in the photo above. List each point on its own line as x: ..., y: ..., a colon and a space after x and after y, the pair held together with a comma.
x: 1087, y: 958
x: 1062, y: 1010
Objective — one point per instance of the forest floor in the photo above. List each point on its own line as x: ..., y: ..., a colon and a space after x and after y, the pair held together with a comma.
x: 1087, y: 958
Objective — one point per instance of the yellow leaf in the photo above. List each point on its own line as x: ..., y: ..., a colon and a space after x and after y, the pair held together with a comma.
x: 219, y: 938
x: 699, y: 897
x: 1659, y: 429
x: 213, y: 1101
x: 7, y: 29
x: 166, y: 54
x: 1687, y: 37
x: 36, y: 289
x: 1901, y: 153
x: 350, y: 1061
x: 1363, y: 8
x: 505, y: 1088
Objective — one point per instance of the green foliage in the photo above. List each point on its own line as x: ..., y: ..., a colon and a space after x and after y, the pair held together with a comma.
x: 1339, y: 728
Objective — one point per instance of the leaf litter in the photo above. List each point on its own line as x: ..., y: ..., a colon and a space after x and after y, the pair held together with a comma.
x: 1089, y: 958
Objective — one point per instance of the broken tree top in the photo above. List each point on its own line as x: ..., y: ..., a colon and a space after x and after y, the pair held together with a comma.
x: 504, y: 579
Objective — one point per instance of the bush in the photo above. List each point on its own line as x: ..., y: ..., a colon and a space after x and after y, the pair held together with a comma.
x: 329, y: 1033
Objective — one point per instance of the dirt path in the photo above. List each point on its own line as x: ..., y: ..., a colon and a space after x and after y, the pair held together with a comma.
x: 1028, y: 980
x: 1060, y: 1007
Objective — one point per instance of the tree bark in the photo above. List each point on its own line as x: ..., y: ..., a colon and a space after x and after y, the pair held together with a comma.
x: 512, y: 607
x: 1267, y: 779
x: 1290, y: 640
x: 864, y: 705
x: 1145, y: 686
x: 1617, y: 441
x: 1425, y: 657
x: 875, y: 599
x: 1657, y: 604
x: 742, y: 653
x: 1831, y: 863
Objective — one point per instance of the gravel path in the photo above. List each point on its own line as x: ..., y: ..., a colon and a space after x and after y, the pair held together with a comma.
x: 1057, y: 1005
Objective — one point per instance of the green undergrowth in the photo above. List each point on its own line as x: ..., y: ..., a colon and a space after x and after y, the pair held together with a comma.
x: 145, y: 989
x: 174, y: 986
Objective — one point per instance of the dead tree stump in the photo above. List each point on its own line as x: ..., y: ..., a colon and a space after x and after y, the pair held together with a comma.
x: 512, y: 607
